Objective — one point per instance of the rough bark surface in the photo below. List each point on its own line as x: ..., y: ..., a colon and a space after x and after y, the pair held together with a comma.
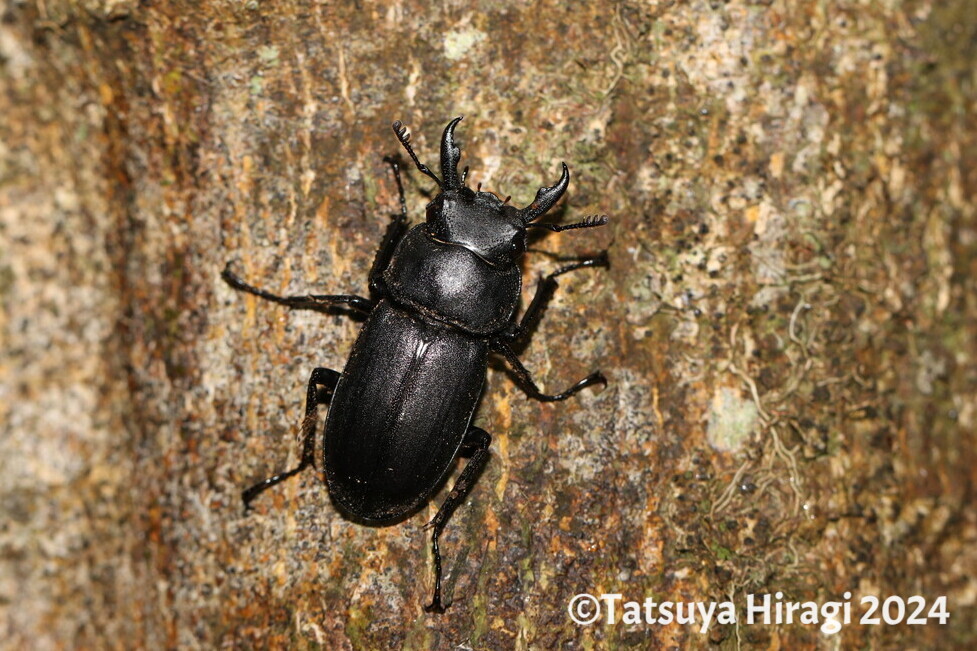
x: 787, y: 324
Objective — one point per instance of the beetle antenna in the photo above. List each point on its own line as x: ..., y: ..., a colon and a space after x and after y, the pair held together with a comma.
x: 589, y: 222
x: 404, y: 137
x: 506, y: 200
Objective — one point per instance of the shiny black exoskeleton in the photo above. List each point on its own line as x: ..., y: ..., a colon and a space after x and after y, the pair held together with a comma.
x: 443, y: 296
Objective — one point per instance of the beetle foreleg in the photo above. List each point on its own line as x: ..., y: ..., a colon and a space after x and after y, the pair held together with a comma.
x: 544, y: 292
x: 476, y: 446
x: 318, y: 302
x: 525, y: 380
x: 395, y: 232
x: 322, y: 383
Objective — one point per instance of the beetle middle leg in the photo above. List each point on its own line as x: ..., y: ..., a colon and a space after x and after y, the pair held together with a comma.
x: 395, y: 232
x: 322, y: 383
x: 475, y: 446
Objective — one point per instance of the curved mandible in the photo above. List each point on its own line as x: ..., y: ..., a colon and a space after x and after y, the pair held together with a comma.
x: 546, y: 197
x: 450, y: 154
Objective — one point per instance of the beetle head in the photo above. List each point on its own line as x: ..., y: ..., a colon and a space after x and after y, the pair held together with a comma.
x: 479, y: 221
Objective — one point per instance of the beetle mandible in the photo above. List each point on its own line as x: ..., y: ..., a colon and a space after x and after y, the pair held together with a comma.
x: 443, y: 295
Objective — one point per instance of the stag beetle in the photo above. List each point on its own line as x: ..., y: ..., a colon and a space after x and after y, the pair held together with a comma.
x: 443, y: 295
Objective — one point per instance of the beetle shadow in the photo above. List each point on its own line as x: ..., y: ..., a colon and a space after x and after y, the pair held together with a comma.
x: 497, y: 363
x: 554, y: 215
x: 351, y: 314
x: 537, y: 235
x: 407, y: 170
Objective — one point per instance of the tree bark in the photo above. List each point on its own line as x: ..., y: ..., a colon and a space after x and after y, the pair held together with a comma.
x: 787, y: 325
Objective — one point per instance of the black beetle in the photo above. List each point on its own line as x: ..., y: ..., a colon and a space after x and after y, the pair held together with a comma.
x: 444, y: 295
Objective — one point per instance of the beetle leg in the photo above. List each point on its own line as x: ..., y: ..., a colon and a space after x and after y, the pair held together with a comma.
x: 395, y: 232
x: 544, y: 292
x: 525, y: 380
x: 322, y: 383
x: 476, y: 447
x: 318, y: 302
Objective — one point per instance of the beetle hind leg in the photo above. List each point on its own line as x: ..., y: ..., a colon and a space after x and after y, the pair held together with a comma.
x: 476, y: 447
x: 322, y: 383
